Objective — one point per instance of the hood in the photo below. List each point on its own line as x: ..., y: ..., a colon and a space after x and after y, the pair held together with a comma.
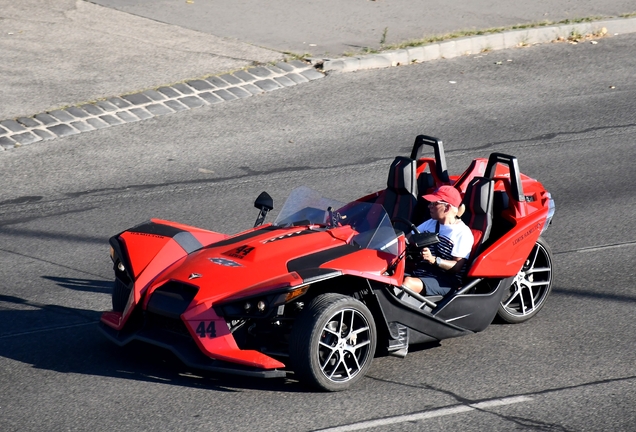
x: 242, y: 262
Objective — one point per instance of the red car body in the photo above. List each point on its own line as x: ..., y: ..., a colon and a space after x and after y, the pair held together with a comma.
x: 319, y: 293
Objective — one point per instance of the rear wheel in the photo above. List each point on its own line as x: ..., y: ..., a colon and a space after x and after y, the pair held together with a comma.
x: 333, y: 342
x: 530, y: 288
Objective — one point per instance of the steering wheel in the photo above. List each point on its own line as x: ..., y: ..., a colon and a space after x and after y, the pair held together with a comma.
x: 408, y: 222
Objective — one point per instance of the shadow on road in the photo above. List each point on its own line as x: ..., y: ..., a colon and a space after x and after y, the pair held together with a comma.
x: 67, y: 340
x: 86, y: 285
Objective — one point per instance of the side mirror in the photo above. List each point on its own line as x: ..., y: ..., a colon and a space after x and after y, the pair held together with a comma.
x: 264, y: 203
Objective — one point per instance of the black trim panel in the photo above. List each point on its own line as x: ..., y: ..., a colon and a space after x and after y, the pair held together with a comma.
x: 185, y: 239
x: 317, y: 259
x: 314, y: 274
x: 242, y: 237
x: 157, y: 229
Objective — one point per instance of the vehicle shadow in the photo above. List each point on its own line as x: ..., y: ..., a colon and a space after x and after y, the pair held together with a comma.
x: 67, y: 340
x: 86, y: 285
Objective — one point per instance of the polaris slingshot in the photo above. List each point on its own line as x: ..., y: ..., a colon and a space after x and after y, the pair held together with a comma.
x: 318, y: 292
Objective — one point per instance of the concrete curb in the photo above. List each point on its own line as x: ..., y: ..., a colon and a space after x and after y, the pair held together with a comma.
x: 473, y: 45
x: 151, y: 103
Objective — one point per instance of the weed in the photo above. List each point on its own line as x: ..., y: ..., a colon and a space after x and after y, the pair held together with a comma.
x: 575, y: 36
x: 294, y: 56
x: 383, y: 39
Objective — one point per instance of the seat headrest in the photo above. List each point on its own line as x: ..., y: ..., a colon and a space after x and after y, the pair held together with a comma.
x: 403, y: 176
x: 478, y: 195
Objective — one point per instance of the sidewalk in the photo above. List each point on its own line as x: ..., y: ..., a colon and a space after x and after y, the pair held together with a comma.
x: 56, y: 53
x: 69, y: 66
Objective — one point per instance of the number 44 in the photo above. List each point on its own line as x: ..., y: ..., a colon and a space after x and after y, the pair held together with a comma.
x: 209, y: 330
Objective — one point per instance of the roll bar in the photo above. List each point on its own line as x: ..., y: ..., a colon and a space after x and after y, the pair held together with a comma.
x: 440, y: 158
x: 513, y: 166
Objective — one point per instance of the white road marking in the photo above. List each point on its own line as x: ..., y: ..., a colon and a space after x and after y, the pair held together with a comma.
x: 598, y: 248
x: 428, y: 414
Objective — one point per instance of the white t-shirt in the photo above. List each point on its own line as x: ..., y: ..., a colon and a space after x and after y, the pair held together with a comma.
x: 456, y: 240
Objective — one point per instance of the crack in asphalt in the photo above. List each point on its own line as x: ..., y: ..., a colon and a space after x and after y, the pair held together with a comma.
x: 32, y: 218
x: 542, y: 137
x: 523, y: 422
x: 50, y: 262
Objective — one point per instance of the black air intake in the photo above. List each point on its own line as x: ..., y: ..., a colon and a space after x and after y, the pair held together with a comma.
x: 172, y: 299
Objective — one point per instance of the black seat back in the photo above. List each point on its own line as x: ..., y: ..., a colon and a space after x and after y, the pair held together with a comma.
x: 478, y: 214
x: 400, y: 197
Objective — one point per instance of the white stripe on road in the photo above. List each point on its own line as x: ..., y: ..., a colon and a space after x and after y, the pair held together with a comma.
x: 428, y: 414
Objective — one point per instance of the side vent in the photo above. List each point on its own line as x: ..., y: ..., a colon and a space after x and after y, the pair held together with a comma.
x: 172, y: 299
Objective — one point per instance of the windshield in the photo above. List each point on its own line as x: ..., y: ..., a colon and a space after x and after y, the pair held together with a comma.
x: 305, y: 206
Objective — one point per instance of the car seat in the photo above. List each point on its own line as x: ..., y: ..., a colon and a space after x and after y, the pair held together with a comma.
x: 400, y: 197
x: 478, y: 202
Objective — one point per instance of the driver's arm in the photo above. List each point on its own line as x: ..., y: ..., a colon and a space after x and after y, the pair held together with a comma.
x: 452, y: 266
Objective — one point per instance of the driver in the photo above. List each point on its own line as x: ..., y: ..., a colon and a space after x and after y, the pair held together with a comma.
x: 442, y: 265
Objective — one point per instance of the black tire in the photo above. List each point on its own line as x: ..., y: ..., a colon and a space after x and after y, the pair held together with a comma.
x: 121, y: 292
x: 333, y: 342
x: 530, y: 288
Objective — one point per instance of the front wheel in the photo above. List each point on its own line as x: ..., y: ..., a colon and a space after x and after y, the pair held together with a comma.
x: 530, y: 288
x: 333, y: 342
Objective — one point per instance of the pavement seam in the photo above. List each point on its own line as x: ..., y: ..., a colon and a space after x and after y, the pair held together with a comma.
x: 195, y: 93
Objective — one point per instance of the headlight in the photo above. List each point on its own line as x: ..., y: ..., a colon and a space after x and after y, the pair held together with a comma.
x: 260, y: 306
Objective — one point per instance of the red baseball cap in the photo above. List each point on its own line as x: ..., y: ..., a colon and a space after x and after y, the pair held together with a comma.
x: 447, y: 194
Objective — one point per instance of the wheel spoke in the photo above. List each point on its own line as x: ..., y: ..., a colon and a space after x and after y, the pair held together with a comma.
x: 535, y: 253
x: 324, y: 365
x: 531, y: 299
x: 355, y: 359
x: 360, y: 345
x: 357, y: 332
x: 329, y: 347
x: 523, y: 304
x: 335, y: 369
x: 353, y: 315
x: 514, y: 295
x: 538, y: 270
x: 538, y: 284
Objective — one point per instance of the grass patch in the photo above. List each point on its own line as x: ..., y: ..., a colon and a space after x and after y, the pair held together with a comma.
x: 294, y: 56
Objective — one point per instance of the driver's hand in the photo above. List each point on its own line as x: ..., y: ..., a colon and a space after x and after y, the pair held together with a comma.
x: 427, y: 255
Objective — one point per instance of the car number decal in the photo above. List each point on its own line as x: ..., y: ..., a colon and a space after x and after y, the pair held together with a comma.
x: 206, y: 329
x: 240, y: 252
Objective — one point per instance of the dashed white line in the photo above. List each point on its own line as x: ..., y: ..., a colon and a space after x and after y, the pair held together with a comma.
x: 428, y: 414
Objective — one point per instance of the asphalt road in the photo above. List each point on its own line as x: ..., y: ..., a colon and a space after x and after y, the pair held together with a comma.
x: 566, y: 111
